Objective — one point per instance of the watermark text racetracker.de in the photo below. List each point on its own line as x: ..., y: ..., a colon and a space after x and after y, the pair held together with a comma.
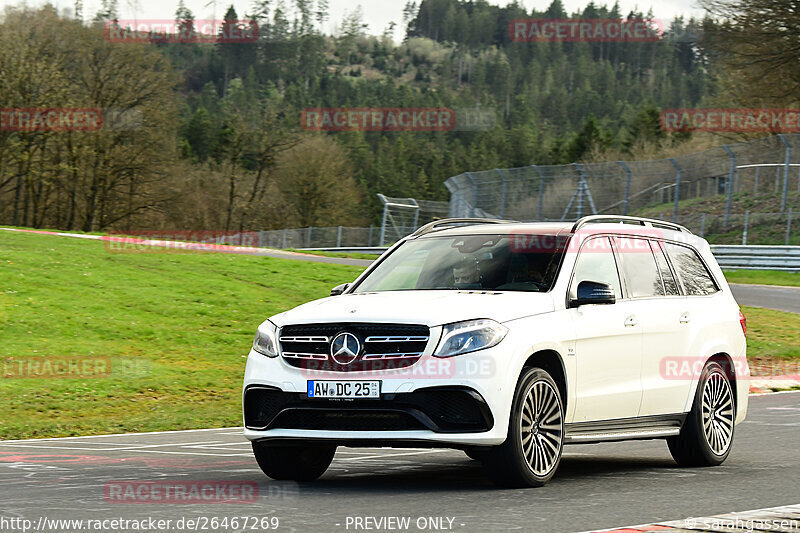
x: 735, y: 120
x: 542, y: 30
x: 62, y: 119
x: 219, y: 31
x: 396, y: 119
x: 180, y: 492
x: 163, y: 241
x: 147, y: 524
x: 76, y: 367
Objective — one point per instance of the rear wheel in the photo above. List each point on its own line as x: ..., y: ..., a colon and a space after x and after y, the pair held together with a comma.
x: 532, y: 451
x: 707, y: 435
x: 296, y: 463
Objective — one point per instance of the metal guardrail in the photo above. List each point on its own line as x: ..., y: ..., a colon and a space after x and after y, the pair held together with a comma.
x: 729, y: 257
x: 758, y: 257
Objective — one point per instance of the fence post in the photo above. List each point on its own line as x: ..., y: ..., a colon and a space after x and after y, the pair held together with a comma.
x: 541, y: 192
x: 627, y: 202
x: 383, y: 225
x: 416, y: 215
x: 755, y: 187
x: 703, y: 225
x: 503, y: 193
x: 785, y: 172
x: 746, y: 224
x: 677, y: 189
x: 308, y: 238
x: 339, y: 238
x: 777, y: 178
x: 729, y: 185
x: 474, y: 193
x: 285, y: 238
x: 788, y: 226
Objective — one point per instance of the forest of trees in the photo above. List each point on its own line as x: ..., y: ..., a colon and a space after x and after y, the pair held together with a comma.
x: 217, y: 142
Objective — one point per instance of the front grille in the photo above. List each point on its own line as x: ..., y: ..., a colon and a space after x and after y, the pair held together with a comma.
x: 440, y: 409
x: 383, y: 346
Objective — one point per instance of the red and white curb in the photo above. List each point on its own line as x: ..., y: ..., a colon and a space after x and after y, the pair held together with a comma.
x: 774, y: 519
x: 760, y: 385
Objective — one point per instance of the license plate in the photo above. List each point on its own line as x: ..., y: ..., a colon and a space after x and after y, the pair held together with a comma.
x: 344, y: 389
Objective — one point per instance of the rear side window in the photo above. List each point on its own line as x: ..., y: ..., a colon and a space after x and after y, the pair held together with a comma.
x: 596, y: 263
x: 694, y: 275
x: 642, y: 276
x: 670, y: 283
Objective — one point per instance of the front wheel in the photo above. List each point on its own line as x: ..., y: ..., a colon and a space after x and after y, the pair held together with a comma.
x: 707, y: 435
x: 295, y: 463
x: 532, y: 451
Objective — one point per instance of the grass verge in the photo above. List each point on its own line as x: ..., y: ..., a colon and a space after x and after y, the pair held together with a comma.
x: 772, y: 334
x: 176, y: 327
x: 764, y: 277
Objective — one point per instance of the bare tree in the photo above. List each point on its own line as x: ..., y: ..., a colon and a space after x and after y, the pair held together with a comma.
x: 758, y: 42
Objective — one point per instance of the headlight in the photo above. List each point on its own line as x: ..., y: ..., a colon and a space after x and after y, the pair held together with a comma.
x: 266, y: 341
x: 470, y: 336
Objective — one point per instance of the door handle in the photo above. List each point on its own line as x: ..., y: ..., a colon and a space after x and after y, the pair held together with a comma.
x: 685, y: 318
x: 631, y: 321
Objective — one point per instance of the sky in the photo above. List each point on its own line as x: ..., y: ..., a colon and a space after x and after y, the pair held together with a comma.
x: 377, y: 13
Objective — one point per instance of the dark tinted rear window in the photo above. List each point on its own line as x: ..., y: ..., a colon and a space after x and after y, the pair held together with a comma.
x: 694, y: 275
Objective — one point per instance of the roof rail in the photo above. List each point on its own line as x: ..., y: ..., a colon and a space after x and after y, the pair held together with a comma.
x: 438, y: 225
x: 597, y: 219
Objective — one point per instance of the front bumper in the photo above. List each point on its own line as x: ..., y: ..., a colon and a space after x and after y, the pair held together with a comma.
x: 439, y: 409
x: 460, y: 401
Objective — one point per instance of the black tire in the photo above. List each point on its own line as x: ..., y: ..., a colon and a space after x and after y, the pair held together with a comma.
x: 295, y: 463
x: 476, y: 454
x: 532, y: 451
x: 707, y: 435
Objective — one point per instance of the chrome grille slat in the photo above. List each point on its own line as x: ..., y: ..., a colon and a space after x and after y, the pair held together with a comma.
x: 306, y: 339
x: 374, y: 356
x: 311, y: 356
x: 396, y: 339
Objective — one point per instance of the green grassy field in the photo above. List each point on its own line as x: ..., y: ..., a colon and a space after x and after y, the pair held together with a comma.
x: 176, y: 327
x: 764, y: 277
x: 772, y: 334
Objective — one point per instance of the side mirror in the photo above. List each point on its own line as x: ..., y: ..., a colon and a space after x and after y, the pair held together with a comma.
x: 339, y: 289
x: 593, y: 292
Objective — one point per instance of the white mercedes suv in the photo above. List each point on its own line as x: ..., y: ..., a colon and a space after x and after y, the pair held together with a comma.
x: 508, y: 341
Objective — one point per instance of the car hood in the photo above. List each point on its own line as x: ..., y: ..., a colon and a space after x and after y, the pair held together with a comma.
x: 431, y: 308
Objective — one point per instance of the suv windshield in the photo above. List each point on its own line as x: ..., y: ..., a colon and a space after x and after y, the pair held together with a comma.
x: 470, y: 262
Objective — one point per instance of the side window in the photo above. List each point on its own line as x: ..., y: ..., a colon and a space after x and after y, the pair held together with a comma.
x: 639, y: 267
x: 596, y: 262
x: 670, y: 283
x: 694, y: 275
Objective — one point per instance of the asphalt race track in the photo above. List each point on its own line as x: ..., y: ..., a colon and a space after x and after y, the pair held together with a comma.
x: 770, y: 297
x: 597, y: 487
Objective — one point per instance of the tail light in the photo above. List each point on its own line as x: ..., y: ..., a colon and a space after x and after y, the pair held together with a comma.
x: 743, y: 322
